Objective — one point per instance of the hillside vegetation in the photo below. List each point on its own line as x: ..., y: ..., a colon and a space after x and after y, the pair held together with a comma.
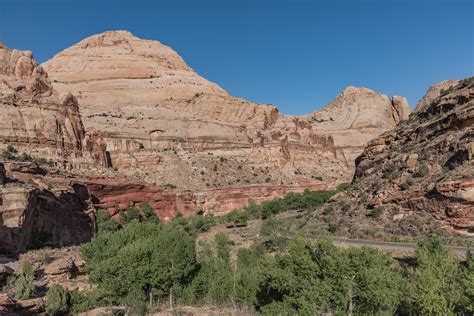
x: 151, y: 266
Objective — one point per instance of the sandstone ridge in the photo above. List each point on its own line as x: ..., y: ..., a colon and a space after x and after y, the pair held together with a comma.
x: 163, y: 123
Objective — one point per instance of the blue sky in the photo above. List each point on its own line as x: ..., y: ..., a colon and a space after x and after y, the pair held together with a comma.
x: 296, y: 55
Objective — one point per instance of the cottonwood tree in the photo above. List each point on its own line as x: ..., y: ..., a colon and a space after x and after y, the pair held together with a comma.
x: 145, y: 256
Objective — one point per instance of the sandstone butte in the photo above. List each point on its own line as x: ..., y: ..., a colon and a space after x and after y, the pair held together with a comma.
x: 121, y: 121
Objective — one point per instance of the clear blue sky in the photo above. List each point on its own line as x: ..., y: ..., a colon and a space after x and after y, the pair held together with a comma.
x: 297, y: 55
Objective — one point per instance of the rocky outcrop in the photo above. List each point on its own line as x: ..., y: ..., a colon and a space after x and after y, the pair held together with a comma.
x: 356, y: 116
x: 117, y: 196
x: 31, y: 217
x: 34, y: 117
x: 434, y: 92
x: 425, y: 165
x: 163, y: 123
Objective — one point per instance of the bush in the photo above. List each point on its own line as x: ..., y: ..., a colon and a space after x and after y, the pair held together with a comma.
x: 237, y: 217
x: 56, y: 300
x: 333, y: 228
x: 133, y: 214
x: 105, y: 222
x: 169, y: 186
x: 388, y: 170
x: 9, y: 153
x: 142, y: 255
x: 407, y: 184
x: 343, y: 187
x: 345, y: 206
x: 328, y: 210
x: 24, y: 286
x: 421, y: 171
x: 376, y: 212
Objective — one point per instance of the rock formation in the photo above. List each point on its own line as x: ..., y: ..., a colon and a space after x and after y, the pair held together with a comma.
x: 434, y: 92
x: 356, y: 116
x: 425, y: 165
x: 34, y: 214
x: 163, y: 123
x: 33, y: 116
x: 124, y: 121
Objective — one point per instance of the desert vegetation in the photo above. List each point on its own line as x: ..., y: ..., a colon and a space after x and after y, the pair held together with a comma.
x: 151, y: 266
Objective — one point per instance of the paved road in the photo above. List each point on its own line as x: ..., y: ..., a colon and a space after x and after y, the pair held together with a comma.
x: 392, y: 246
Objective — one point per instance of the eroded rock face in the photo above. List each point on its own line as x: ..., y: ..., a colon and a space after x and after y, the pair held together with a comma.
x: 152, y: 123
x: 434, y: 92
x: 117, y: 196
x: 356, y: 116
x: 32, y: 113
x: 426, y: 164
x: 163, y: 123
x: 31, y: 217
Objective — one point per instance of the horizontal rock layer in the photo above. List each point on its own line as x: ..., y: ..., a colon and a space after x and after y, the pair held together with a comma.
x: 426, y: 164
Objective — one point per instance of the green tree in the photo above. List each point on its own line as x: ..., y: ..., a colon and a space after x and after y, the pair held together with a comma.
x: 318, y: 278
x: 142, y: 256
x: 105, y: 222
x: 249, y: 274
x: 290, y: 282
x: 468, y: 284
x: 214, y: 283
x: 24, y: 284
x: 437, y: 279
x: 56, y: 300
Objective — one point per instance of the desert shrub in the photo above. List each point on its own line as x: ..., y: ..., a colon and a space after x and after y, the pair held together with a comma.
x: 407, y: 184
x: 24, y: 286
x: 56, y: 300
x: 105, y: 222
x: 332, y: 228
x: 467, y: 81
x: 345, y: 206
x: 388, y: 170
x: 193, y: 225
x: 9, y: 153
x: 343, y: 187
x: 376, y: 212
x: 328, y: 210
x: 271, y: 227
x: 169, y: 186
x: 26, y: 157
x: 421, y: 171
x: 133, y: 214
x: 149, y: 212
x: 237, y: 218
x: 84, y: 301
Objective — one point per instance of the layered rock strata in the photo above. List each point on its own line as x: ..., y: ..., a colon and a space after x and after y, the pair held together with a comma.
x: 425, y: 165
x: 163, y: 123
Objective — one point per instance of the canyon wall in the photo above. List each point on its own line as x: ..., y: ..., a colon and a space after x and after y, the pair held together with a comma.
x: 425, y: 165
x: 115, y: 121
x: 163, y: 123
